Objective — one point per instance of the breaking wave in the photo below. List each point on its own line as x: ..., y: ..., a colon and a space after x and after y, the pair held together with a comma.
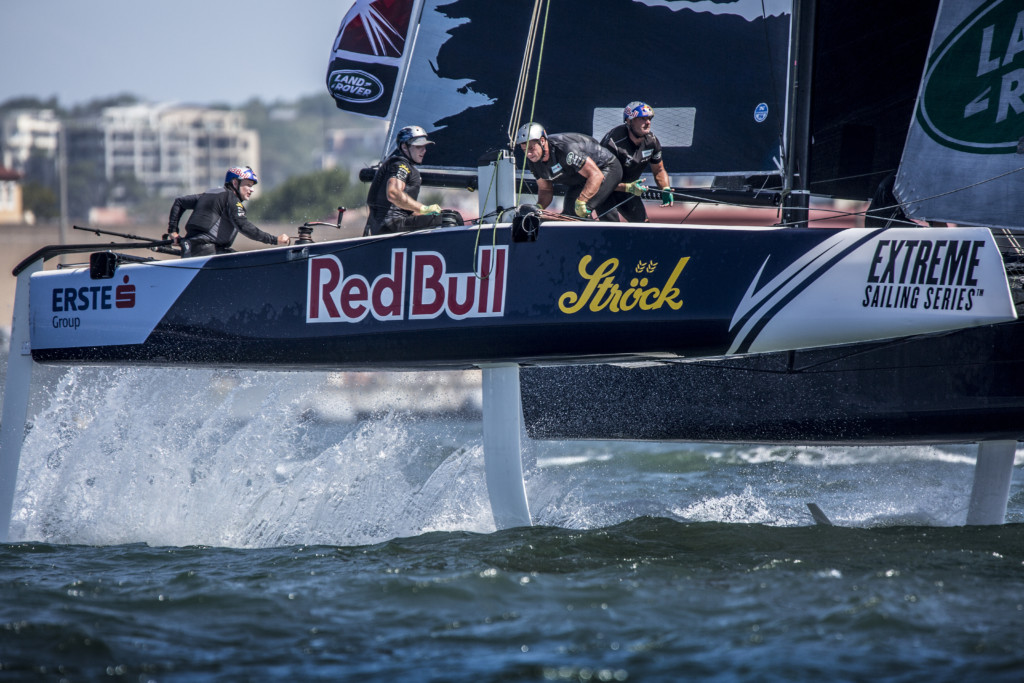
x: 176, y: 457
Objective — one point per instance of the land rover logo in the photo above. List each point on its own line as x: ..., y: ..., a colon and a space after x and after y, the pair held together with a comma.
x: 352, y: 85
x: 973, y: 94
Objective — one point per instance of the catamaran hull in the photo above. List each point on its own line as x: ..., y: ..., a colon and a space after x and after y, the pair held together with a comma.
x: 961, y: 386
x: 458, y: 298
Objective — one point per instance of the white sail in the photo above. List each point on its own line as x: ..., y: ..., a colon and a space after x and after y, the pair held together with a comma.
x: 964, y: 160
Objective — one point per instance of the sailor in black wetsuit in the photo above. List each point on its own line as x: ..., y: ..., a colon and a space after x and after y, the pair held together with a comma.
x: 590, y: 171
x: 392, y: 198
x: 635, y: 146
x: 217, y: 217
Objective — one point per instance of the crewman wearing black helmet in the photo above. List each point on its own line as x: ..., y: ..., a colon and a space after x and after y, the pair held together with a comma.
x: 392, y: 198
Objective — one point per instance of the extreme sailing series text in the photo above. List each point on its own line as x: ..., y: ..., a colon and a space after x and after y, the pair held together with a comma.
x: 928, y: 274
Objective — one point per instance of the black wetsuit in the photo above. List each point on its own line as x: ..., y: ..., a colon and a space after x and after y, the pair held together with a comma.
x: 635, y: 160
x: 567, y: 154
x: 385, y: 217
x: 217, y: 217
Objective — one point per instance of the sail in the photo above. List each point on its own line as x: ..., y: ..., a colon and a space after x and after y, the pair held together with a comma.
x: 964, y: 157
x: 368, y: 53
x: 715, y: 74
x: 867, y: 64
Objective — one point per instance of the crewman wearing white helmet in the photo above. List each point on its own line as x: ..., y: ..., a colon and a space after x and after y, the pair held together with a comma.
x: 392, y: 198
x: 578, y: 161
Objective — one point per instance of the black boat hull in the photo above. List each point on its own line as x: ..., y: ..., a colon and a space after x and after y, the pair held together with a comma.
x: 961, y: 386
x: 461, y: 298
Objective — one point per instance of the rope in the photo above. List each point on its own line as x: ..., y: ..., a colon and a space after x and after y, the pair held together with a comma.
x: 479, y: 228
x: 837, y: 214
x: 605, y: 213
x: 540, y: 59
x: 968, y: 187
x: 934, y: 196
x: 524, y: 72
x: 520, y: 100
x: 513, y: 126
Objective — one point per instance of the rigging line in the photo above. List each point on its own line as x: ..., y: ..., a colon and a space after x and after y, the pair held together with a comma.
x: 342, y: 247
x: 966, y: 187
x: 685, y: 198
x: 922, y: 199
x: 763, y: 188
x: 687, y: 216
x: 1011, y: 238
x: 524, y: 74
x: 522, y: 180
x: 173, y: 263
x: 536, y: 87
x: 561, y: 217
x: 903, y: 206
x: 697, y: 201
x: 837, y: 214
x: 479, y: 228
x: 852, y: 177
x: 540, y: 58
x: 887, y: 171
x: 523, y: 81
x: 605, y: 213
x: 893, y: 223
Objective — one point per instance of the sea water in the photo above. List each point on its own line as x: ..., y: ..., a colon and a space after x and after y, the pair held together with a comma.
x: 200, y: 525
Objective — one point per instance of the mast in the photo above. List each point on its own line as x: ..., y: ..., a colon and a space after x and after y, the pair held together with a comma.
x: 798, y: 128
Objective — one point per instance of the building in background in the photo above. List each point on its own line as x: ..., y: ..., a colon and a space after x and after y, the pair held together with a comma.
x: 28, y: 133
x: 10, y: 196
x: 354, y: 149
x: 123, y: 155
x: 29, y: 140
x: 169, y: 149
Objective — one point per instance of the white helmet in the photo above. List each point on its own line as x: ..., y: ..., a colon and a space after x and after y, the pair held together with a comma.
x: 530, y: 131
x: 414, y: 136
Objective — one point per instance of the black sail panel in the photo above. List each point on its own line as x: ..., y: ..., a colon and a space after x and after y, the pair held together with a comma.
x: 714, y: 73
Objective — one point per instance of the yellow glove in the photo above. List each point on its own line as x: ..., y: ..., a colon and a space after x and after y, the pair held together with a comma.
x: 667, y: 198
x: 582, y: 210
x: 431, y: 210
x: 636, y: 187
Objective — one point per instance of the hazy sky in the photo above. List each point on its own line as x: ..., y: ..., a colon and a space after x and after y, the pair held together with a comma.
x: 189, y: 51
